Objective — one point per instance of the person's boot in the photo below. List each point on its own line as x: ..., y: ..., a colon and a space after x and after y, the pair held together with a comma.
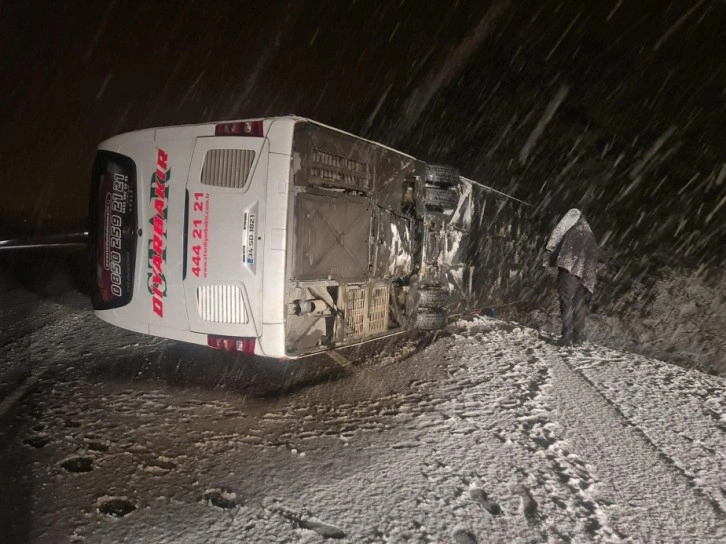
x: 564, y: 341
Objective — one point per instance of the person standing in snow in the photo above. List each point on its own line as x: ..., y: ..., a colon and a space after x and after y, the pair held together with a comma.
x: 572, y: 248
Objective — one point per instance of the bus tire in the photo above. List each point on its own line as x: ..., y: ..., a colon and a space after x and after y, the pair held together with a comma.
x: 430, y: 319
x: 443, y: 199
x: 440, y: 174
x: 433, y: 298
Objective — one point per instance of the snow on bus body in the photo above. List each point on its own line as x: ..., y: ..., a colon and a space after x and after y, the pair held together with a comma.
x: 197, y: 275
x: 280, y: 237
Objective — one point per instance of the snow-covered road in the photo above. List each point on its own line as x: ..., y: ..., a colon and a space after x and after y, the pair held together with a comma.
x: 490, y: 434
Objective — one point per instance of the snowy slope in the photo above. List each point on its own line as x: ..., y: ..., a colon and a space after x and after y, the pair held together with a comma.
x: 491, y: 434
x: 676, y: 315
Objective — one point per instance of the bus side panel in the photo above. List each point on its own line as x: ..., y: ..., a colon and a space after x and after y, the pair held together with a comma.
x: 272, y: 339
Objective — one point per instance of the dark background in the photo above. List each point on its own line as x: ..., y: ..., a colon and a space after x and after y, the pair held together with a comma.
x: 637, y: 138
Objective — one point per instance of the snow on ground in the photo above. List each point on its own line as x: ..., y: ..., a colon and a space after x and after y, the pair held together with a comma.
x: 491, y: 434
x: 673, y: 314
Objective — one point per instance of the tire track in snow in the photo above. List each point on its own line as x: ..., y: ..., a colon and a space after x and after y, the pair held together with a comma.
x: 684, y: 400
x: 609, y: 472
x: 565, y: 478
x: 549, y: 488
x: 622, y: 456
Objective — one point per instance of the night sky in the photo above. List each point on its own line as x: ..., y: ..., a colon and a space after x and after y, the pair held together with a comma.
x: 627, y: 98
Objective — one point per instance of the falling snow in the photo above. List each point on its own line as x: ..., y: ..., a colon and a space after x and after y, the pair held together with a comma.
x: 488, y: 435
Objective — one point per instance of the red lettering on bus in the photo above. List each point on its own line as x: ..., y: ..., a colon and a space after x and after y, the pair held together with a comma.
x: 159, y: 206
x: 157, y: 264
x: 160, y: 191
x: 162, y: 159
x: 158, y: 306
x: 157, y: 285
x: 158, y: 225
x: 157, y: 292
x: 157, y: 245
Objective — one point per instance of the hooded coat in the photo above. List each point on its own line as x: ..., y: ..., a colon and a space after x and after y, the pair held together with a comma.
x: 573, y: 247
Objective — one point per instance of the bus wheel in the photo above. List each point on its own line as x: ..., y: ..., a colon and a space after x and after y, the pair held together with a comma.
x: 433, y: 298
x: 443, y: 199
x: 439, y: 174
x: 430, y: 319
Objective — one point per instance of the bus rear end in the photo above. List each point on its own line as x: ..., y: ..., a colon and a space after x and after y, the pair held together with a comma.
x: 186, y: 222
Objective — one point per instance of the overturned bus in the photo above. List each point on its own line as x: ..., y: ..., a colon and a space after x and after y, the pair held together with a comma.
x: 283, y: 237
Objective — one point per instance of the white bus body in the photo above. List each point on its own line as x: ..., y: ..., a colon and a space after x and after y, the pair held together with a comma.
x: 280, y: 237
